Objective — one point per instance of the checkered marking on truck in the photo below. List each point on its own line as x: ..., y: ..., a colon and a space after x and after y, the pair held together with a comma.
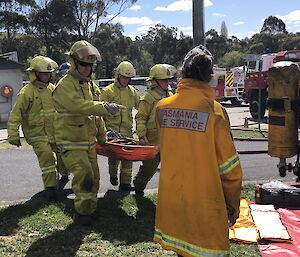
x: 229, y: 79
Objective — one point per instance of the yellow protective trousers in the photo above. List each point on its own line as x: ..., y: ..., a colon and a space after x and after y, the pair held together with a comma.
x: 85, y: 184
x: 47, y: 162
x: 125, y: 170
x: 146, y: 172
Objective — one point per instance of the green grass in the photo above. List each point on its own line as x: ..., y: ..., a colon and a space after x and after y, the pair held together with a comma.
x: 5, y: 145
x: 249, y: 134
x: 124, y: 227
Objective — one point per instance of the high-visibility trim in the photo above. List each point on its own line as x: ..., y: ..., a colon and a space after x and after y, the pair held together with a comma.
x: 84, y: 145
x: 85, y: 196
x: 13, y: 125
x: 66, y: 114
x: 49, y: 112
x: 187, y: 247
x: 231, y: 163
x: 42, y: 113
x: 49, y: 169
x: 38, y: 139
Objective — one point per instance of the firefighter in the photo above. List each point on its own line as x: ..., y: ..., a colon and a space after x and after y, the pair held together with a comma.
x: 75, y: 127
x: 62, y: 70
x: 145, y: 121
x: 201, y: 176
x: 34, y: 111
x: 121, y: 92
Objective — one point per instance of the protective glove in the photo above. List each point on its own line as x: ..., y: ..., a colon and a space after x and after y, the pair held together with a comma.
x: 231, y: 221
x: 113, y: 108
x: 232, y: 216
x: 111, y: 135
x: 143, y: 141
x: 15, y: 142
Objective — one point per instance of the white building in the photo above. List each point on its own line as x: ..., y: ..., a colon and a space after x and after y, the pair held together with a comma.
x: 10, y: 83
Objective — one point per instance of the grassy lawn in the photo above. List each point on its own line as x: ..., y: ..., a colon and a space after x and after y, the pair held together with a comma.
x: 124, y: 227
x: 5, y: 145
x: 236, y: 133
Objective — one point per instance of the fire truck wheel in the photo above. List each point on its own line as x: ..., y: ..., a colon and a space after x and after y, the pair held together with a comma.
x: 6, y: 91
x: 254, y: 108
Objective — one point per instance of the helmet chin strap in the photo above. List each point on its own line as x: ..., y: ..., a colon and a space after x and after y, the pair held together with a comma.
x: 76, y: 66
x: 160, y: 89
x: 38, y: 78
x: 121, y: 83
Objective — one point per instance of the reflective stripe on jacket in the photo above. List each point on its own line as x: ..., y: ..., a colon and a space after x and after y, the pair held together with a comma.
x: 200, y: 177
x: 33, y: 110
x: 122, y: 121
x: 75, y: 127
x: 145, y: 117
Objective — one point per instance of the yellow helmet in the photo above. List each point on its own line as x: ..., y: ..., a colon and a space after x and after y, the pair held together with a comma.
x: 125, y: 69
x: 172, y: 69
x: 42, y: 64
x: 85, y: 52
x: 160, y: 71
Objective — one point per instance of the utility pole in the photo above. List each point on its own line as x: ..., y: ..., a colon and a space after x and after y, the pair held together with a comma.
x: 198, y: 22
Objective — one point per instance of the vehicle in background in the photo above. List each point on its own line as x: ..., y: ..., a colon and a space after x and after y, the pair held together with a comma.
x: 10, y: 83
x: 139, y: 83
x: 256, y: 81
x: 229, y: 84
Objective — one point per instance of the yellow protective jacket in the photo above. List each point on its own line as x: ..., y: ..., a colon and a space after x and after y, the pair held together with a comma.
x: 75, y: 122
x: 33, y: 110
x: 122, y: 121
x: 145, y: 117
x: 200, y: 176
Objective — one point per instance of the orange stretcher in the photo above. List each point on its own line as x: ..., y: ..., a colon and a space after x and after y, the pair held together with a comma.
x: 127, y: 149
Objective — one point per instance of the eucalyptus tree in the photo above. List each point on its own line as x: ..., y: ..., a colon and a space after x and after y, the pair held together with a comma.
x: 13, y: 15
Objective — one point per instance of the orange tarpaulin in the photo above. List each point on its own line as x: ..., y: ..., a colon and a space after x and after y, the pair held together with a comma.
x: 244, y: 230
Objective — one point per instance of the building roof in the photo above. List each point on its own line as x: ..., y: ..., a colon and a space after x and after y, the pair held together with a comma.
x: 6, y: 64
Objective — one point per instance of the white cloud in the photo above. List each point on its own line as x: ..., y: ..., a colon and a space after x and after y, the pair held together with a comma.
x: 239, y: 23
x: 187, y: 31
x: 185, y: 28
x: 135, y: 7
x: 243, y: 35
x: 218, y: 14
x: 145, y: 29
x: 131, y: 35
x: 291, y: 18
x: 145, y: 21
x: 181, y: 5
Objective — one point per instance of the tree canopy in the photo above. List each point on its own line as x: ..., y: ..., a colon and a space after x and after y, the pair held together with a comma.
x: 273, y: 25
x: 51, y: 27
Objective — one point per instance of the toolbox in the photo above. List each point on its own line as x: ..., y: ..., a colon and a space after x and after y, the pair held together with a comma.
x: 286, y: 196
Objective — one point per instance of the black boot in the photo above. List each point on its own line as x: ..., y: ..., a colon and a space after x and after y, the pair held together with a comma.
x: 139, y: 192
x: 84, y: 220
x: 62, y: 182
x: 126, y: 187
x: 114, y: 181
x: 50, y: 194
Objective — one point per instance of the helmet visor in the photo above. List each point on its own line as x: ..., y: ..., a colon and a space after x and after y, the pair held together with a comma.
x: 87, y: 51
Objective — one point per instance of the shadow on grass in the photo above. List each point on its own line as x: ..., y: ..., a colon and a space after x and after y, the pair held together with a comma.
x: 11, y: 216
x: 112, y: 224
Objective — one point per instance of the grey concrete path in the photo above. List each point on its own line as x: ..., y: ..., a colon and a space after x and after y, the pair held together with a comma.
x: 21, y: 179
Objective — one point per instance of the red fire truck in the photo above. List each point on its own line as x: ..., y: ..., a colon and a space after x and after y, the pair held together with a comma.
x: 230, y: 84
x: 256, y: 81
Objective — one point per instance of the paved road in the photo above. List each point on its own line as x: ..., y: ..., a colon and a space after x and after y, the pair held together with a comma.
x: 20, y: 176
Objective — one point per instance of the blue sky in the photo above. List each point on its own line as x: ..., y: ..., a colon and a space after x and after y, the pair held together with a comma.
x: 242, y: 18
